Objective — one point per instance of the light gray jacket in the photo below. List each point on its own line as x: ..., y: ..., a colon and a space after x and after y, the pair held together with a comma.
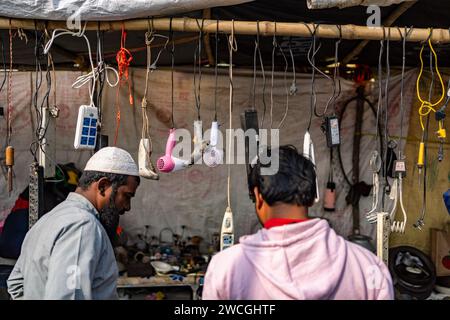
x: 66, y: 255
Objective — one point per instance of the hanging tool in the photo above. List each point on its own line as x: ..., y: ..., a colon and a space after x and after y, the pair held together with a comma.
x: 396, y: 194
x: 375, y: 165
x: 9, y: 161
x: 440, y: 117
x: 227, y: 231
x: 146, y: 167
x: 9, y: 151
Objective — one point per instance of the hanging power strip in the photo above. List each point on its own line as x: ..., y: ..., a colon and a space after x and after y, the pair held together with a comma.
x: 36, y: 196
x: 332, y: 131
x: 86, y: 131
x: 383, y: 231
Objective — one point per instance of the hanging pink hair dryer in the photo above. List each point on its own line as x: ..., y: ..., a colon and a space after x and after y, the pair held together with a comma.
x: 169, y: 163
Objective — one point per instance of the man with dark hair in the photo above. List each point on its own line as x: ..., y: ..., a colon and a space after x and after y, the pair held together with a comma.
x: 293, y: 256
x: 68, y: 253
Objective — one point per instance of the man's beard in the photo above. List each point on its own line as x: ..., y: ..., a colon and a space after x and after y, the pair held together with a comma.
x: 109, y: 218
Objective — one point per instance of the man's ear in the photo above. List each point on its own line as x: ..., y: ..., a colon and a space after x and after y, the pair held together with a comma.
x: 103, y: 184
x: 258, y: 198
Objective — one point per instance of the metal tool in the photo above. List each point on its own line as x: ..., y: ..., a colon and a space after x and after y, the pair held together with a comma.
x: 375, y: 165
x: 397, y: 196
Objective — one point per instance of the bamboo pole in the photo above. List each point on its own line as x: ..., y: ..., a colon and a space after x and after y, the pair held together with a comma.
x: 267, y: 28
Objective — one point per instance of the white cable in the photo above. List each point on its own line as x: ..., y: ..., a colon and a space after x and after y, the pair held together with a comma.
x: 95, y: 71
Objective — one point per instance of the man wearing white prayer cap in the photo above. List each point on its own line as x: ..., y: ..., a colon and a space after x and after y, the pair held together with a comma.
x: 68, y: 253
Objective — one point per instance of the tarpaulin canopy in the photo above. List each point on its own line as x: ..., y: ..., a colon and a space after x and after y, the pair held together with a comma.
x: 103, y: 10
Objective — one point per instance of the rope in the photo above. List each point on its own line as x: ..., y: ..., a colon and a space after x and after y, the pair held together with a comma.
x: 10, y: 103
x: 123, y: 58
x: 232, y: 46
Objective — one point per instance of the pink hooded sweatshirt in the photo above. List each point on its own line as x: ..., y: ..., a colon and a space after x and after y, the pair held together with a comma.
x: 301, y: 261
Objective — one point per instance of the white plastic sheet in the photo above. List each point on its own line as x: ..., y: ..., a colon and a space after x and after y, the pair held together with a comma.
x: 103, y: 10
x: 323, y: 4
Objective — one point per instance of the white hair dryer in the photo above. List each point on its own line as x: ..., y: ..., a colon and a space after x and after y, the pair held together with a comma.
x: 213, y: 156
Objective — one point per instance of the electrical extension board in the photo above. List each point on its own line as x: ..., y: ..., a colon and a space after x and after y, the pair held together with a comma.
x: 383, y: 231
x: 36, y: 193
x: 332, y: 131
x: 86, y: 131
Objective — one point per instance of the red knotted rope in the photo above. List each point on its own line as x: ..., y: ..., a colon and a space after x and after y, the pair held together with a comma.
x: 123, y: 58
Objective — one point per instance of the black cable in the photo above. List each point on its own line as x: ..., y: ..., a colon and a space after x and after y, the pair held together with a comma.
x: 257, y: 53
x: 341, y: 117
x: 101, y: 76
x: 336, y: 74
x: 274, y: 47
x: 254, y: 73
x: 311, y: 59
x: 293, y: 88
x: 402, y: 87
x: 386, y: 110
x: 264, y: 80
x: 198, y: 53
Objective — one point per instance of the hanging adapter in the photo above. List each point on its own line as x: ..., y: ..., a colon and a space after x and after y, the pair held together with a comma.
x: 331, y: 127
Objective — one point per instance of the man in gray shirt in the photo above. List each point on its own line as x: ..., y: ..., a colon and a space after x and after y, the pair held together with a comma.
x: 68, y: 253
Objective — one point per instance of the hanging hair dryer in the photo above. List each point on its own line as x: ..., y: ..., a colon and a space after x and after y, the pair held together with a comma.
x: 169, y: 163
x: 146, y: 168
x: 213, y: 156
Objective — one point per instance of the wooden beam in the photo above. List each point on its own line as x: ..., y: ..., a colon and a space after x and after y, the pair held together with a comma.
x: 401, y: 9
x: 206, y: 39
x: 267, y: 28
